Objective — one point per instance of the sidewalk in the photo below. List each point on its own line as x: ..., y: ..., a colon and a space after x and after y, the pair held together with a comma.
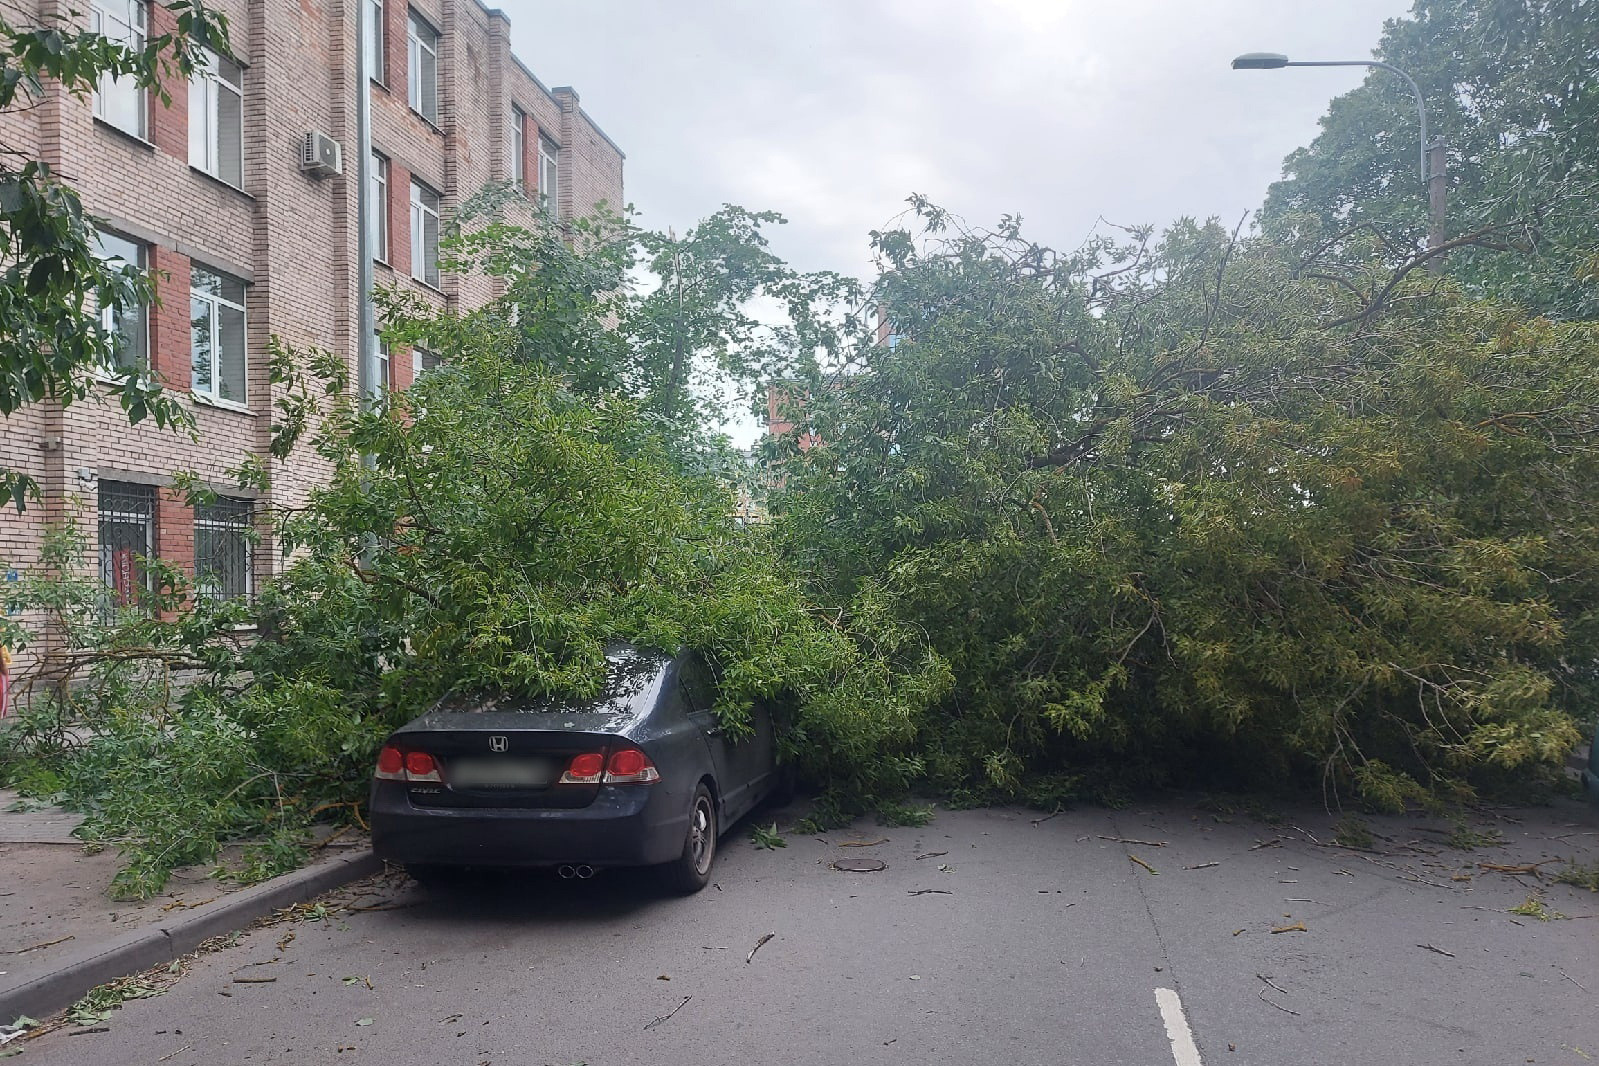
x: 61, y: 934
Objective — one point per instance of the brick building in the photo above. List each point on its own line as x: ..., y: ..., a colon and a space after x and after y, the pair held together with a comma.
x: 246, y: 245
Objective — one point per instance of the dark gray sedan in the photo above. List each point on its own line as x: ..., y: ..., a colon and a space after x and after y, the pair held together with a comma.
x: 643, y: 775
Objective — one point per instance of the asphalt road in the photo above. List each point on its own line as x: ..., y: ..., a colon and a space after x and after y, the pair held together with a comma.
x: 987, y: 938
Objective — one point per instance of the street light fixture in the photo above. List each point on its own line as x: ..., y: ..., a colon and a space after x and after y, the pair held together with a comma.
x: 1434, y: 181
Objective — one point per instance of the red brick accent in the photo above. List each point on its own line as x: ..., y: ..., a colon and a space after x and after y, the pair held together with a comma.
x: 530, y: 156
x: 169, y: 321
x: 399, y: 218
x: 396, y: 23
x: 174, y: 531
x: 169, y: 125
x: 400, y: 376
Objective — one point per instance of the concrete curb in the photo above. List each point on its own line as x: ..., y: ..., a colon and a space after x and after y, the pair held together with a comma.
x: 143, y: 948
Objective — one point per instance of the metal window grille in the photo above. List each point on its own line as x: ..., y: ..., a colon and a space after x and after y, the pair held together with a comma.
x: 127, y: 537
x: 224, y: 549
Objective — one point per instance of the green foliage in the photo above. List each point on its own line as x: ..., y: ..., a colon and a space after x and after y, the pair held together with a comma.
x: 1184, y: 509
x: 1465, y: 838
x: 53, y: 344
x: 1512, y: 87
x: 1576, y: 873
x: 1352, y: 832
x: 904, y: 814
x: 96, y: 1006
x: 491, y: 529
x: 1534, y: 907
x: 767, y: 838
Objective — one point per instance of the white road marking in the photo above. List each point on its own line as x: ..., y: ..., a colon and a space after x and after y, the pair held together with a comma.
x: 1177, y: 1031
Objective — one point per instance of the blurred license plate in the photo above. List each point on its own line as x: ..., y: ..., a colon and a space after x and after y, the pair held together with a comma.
x: 500, y: 773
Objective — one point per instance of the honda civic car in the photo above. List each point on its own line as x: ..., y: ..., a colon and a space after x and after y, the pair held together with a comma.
x: 642, y: 775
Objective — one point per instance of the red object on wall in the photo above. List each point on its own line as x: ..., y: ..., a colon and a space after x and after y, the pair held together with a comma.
x: 124, y: 576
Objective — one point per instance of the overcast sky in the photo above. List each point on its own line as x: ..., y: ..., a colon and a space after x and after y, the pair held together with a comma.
x: 833, y: 111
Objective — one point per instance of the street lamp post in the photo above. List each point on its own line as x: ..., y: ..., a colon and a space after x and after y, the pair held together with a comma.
x: 1431, y: 178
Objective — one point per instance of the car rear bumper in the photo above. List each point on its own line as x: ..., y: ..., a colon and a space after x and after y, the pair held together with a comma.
x: 626, y: 825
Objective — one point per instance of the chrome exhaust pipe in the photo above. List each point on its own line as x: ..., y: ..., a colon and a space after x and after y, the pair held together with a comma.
x: 567, y: 872
x: 585, y: 872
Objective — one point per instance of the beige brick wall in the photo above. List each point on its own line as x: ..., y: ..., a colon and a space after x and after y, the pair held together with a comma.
x: 290, y: 236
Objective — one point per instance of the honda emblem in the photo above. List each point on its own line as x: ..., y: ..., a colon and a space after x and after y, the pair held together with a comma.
x: 497, y: 743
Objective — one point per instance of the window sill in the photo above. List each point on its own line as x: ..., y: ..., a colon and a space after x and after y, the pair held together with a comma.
x: 208, y: 400
x: 429, y: 123
x: 428, y: 285
x: 127, y: 135
x: 223, y: 182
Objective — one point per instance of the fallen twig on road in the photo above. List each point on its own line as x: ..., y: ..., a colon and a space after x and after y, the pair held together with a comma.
x: 36, y: 947
x: 863, y: 843
x: 1202, y: 866
x: 1144, y: 864
x: 1274, y: 842
x: 764, y: 938
x: 929, y: 892
x: 1053, y: 814
x: 668, y: 1014
x: 1279, y: 1006
x: 1297, y: 927
x: 1127, y: 840
x: 1273, y: 984
x: 175, y: 1054
x: 1517, y: 869
x: 1570, y: 978
x: 254, y: 980
x: 931, y: 855
x: 1441, y: 951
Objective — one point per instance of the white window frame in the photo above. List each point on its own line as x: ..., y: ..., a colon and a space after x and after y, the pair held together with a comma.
x: 550, y: 176
x: 423, y: 215
x: 376, y: 37
x: 422, y: 41
x: 217, y: 303
x: 385, y: 380
x: 108, y: 315
x: 207, y: 90
x: 422, y: 361
x: 517, y: 169
x: 125, y: 22
x: 380, y: 207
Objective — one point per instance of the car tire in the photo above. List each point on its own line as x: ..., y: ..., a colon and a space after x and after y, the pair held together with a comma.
x: 691, y: 871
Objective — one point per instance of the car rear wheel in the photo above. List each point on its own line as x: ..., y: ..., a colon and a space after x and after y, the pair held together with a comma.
x: 691, y: 871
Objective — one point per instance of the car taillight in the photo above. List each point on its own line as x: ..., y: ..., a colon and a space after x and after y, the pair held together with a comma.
x: 391, y: 764
x: 584, y: 769
x: 630, y: 766
x: 397, y: 765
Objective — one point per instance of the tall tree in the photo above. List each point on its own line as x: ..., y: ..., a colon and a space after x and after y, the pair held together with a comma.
x: 1513, y: 87
x: 53, y: 341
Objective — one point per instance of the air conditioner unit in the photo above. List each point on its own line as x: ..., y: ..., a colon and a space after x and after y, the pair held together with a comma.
x: 321, y: 155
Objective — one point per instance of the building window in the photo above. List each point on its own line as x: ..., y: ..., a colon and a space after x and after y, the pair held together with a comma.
x: 118, y: 100
x: 422, y: 55
x: 374, y: 41
x: 422, y: 361
x: 127, y: 329
x: 127, y: 536
x: 424, y: 234
x: 224, y: 542
x: 518, y: 130
x: 378, y: 219
x: 216, y: 119
x: 549, y: 182
x: 384, y: 377
x: 216, y: 319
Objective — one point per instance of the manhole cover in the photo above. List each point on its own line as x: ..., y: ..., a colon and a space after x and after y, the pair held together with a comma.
x: 859, y: 866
